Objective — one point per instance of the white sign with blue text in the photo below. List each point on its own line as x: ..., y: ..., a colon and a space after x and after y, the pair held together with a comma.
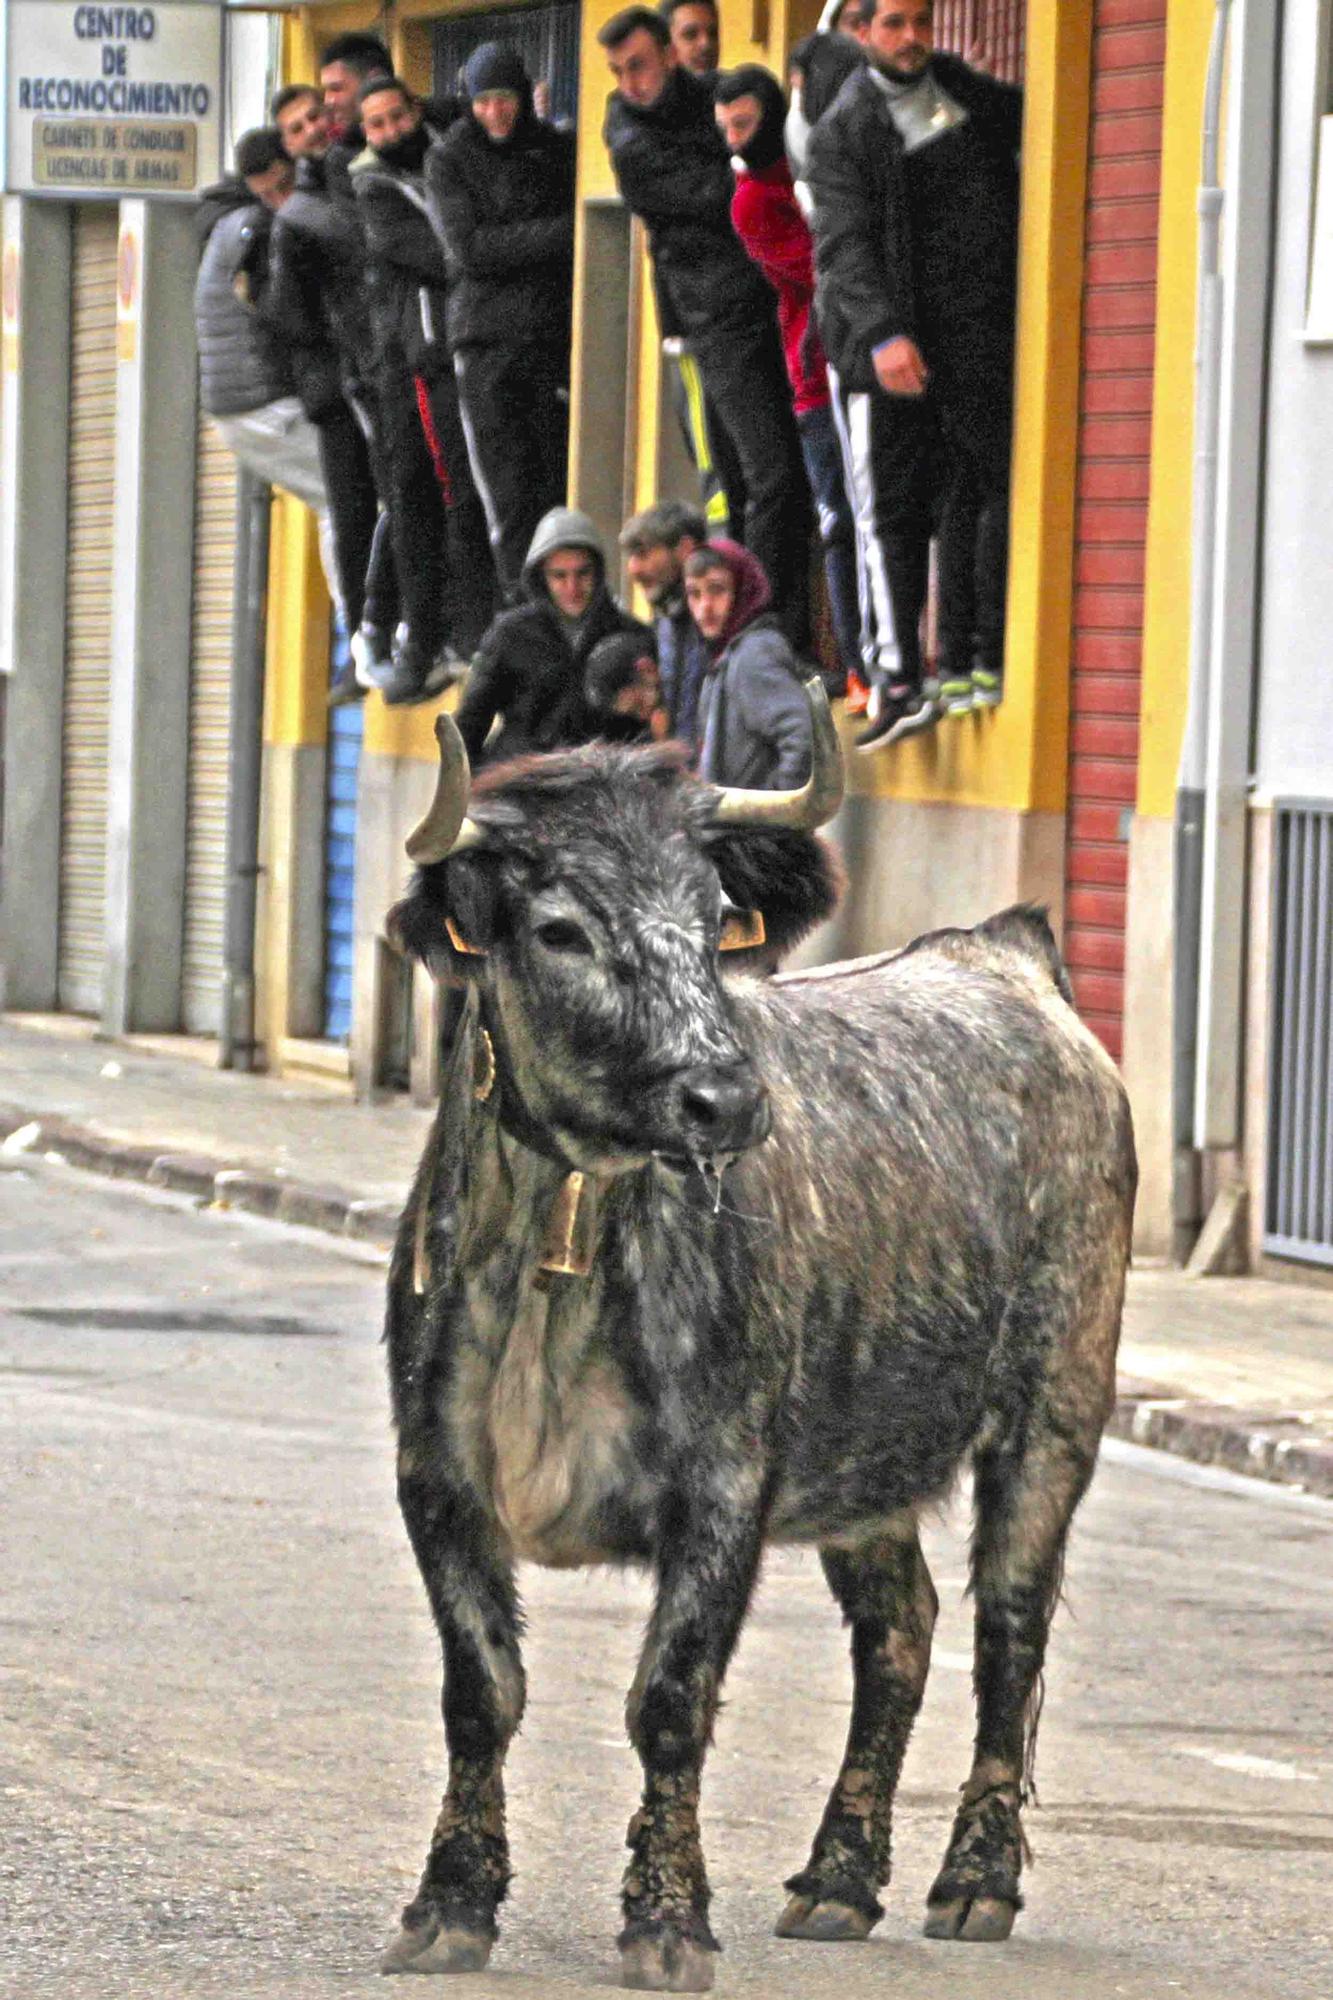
x: 105, y: 102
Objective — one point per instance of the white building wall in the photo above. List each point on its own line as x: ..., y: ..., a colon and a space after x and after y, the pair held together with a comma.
x: 1295, y: 711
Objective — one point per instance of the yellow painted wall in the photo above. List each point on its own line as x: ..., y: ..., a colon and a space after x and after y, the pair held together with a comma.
x: 1166, y: 633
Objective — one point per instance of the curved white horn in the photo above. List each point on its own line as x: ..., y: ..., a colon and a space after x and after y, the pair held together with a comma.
x: 815, y: 801
x: 446, y: 829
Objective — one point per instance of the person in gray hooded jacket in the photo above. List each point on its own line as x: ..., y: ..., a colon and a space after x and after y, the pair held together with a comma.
x: 754, y: 720
x: 528, y: 673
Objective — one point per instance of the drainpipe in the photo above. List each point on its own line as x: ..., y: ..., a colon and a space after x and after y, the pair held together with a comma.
x: 249, y: 642
x: 1187, y: 1176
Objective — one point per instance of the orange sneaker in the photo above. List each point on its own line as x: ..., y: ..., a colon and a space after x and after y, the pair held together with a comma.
x: 858, y: 695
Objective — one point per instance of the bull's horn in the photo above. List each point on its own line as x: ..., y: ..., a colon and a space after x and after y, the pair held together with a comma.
x: 816, y: 800
x: 446, y: 829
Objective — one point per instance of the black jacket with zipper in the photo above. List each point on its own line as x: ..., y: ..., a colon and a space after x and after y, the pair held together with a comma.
x: 864, y: 255
x: 407, y: 283
x: 505, y: 215
x: 318, y: 263
x: 675, y: 174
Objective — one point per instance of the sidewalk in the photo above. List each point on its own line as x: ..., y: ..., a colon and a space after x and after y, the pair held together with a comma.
x: 1229, y: 1371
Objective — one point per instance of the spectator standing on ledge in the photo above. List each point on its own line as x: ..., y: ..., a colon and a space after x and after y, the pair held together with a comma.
x: 246, y: 379
x: 673, y: 171
x: 751, y: 115
x: 657, y: 544
x: 529, y: 669
x: 440, y: 545
x: 754, y: 720
x: 914, y: 172
x: 501, y: 193
x: 349, y: 61
x: 696, y: 34
x: 316, y: 262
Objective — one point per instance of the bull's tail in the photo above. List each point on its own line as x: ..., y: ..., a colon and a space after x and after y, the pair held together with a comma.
x: 1026, y: 928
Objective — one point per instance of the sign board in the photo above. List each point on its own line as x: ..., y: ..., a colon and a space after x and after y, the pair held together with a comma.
x: 105, y: 102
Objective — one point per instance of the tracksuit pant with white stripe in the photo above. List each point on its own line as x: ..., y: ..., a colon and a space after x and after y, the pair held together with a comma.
x: 923, y: 465
x: 514, y: 402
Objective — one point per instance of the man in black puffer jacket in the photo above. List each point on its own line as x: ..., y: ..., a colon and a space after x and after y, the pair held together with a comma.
x: 441, y: 549
x: 914, y: 173
x: 674, y: 172
x: 530, y: 669
x: 501, y: 192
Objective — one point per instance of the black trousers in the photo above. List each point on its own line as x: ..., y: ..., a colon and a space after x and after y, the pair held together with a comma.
x: 746, y: 381
x: 349, y: 482
x: 515, y: 411
x: 445, y: 574
x: 940, y: 464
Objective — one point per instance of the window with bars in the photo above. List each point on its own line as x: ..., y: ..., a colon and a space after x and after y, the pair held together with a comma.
x: 547, y: 38
x: 1298, y: 1222
x: 990, y: 32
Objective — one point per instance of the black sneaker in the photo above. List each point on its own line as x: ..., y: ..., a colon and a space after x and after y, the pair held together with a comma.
x: 904, y: 711
x: 416, y: 679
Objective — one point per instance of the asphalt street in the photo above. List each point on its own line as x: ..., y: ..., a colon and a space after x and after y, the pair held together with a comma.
x: 220, y: 1749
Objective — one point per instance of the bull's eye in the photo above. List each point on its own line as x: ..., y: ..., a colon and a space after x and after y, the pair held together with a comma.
x: 741, y: 930
x: 561, y: 935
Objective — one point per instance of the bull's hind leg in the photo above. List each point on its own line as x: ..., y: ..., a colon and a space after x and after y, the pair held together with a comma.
x: 1025, y: 1497
x: 449, y: 1926
x: 889, y: 1601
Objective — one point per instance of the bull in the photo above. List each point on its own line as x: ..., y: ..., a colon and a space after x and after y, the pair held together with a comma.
x: 693, y: 1263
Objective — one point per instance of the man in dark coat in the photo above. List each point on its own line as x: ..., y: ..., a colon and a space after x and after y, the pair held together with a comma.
x: 657, y: 544
x: 316, y: 296
x: 441, y: 550
x: 673, y: 171
x: 501, y: 193
x: 914, y: 172
x: 529, y: 669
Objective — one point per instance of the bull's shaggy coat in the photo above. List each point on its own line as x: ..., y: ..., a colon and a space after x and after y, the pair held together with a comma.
x: 919, y: 1268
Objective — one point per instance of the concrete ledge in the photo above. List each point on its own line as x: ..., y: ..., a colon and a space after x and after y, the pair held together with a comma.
x: 334, y: 1210
x: 1284, y: 1449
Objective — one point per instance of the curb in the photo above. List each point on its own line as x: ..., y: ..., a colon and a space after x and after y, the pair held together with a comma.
x: 215, y: 1183
x: 1283, y: 1449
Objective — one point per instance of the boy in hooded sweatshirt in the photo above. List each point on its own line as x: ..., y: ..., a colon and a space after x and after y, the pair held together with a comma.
x: 528, y: 673
x: 754, y: 720
x: 501, y: 195
x: 751, y: 113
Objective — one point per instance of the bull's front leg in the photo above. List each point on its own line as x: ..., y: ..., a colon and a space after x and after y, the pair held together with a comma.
x: 706, y: 1571
x: 450, y: 1926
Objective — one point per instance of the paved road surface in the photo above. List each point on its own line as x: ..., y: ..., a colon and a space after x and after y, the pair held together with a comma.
x: 219, y: 1736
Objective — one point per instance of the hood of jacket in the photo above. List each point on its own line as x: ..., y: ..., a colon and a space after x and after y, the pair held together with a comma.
x: 753, y: 80
x: 221, y: 199
x: 562, y: 528
x: 753, y: 593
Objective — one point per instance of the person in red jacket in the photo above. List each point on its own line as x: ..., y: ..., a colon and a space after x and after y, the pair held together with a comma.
x: 751, y: 112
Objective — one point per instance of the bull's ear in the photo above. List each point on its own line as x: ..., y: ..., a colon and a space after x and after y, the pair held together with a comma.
x: 447, y: 918
x: 790, y: 881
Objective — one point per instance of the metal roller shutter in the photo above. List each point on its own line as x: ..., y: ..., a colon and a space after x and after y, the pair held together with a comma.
x: 1115, y: 443
x: 209, y: 753
x: 87, y: 694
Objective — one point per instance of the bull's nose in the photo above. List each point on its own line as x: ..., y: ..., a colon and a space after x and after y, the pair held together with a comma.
x: 721, y: 1110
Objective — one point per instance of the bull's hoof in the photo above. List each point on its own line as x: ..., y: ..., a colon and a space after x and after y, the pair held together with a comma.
x: 822, y: 1923
x: 971, y: 1920
x: 436, y: 1947
x: 666, y: 1964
